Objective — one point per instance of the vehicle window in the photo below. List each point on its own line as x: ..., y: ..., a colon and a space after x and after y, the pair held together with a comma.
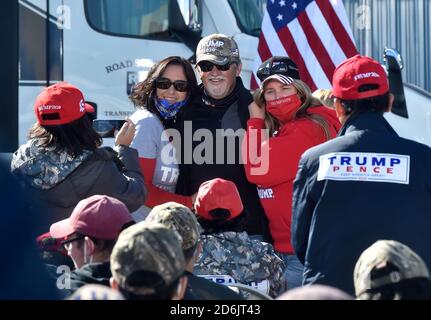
x: 135, y: 18
x: 249, y: 14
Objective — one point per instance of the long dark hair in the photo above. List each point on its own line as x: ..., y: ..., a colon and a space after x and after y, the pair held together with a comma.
x: 143, y: 93
x: 73, y: 138
x: 221, y: 224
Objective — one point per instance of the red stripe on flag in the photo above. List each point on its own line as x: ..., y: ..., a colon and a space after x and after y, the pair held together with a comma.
x: 263, y: 48
x: 339, y: 31
x: 292, y: 50
x: 253, y: 82
x: 316, y: 45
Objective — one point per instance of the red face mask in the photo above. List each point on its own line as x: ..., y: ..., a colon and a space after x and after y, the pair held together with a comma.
x: 284, y: 108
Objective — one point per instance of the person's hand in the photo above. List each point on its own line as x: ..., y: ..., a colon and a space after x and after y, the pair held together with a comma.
x: 126, y: 134
x: 256, y: 111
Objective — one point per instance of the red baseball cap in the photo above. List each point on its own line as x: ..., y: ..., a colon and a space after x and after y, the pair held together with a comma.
x: 355, y: 72
x: 98, y: 216
x: 218, y: 194
x: 60, y: 103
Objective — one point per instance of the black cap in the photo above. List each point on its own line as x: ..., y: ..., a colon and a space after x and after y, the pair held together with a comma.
x: 278, y: 65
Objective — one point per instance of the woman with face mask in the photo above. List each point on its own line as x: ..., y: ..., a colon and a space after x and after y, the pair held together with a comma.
x: 159, y: 99
x: 285, y: 121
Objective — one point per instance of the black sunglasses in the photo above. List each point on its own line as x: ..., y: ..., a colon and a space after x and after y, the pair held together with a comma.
x: 66, y: 243
x: 277, y: 67
x: 207, y: 66
x: 165, y: 83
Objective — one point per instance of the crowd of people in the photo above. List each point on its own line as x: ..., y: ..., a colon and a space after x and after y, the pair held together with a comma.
x: 284, y: 193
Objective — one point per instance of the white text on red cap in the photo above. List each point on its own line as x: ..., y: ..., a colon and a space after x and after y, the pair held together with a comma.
x: 366, y: 75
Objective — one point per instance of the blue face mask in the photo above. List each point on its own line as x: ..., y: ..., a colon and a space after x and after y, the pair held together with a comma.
x: 168, y: 110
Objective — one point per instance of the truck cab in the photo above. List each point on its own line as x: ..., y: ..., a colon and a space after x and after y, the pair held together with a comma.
x: 105, y: 47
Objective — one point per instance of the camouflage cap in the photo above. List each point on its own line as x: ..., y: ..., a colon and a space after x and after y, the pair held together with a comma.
x: 217, y: 48
x: 149, y: 247
x: 410, y: 265
x: 179, y: 218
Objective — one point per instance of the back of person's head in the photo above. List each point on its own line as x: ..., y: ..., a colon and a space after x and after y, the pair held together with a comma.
x: 315, y: 292
x: 144, y: 92
x: 361, y: 84
x: 100, y: 218
x: 219, y: 206
x: 278, y: 65
x: 389, y: 270
x: 63, y: 121
x: 148, y: 263
x: 181, y: 219
x: 22, y: 273
x: 96, y: 292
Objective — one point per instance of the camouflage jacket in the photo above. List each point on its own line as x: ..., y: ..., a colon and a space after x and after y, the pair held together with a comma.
x: 44, y: 168
x: 60, y: 181
x: 234, y: 257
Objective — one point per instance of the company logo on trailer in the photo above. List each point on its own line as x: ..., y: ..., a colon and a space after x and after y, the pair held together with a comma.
x: 358, y: 166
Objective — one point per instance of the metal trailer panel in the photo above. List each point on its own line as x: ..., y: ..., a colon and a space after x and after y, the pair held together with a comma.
x: 401, y: 24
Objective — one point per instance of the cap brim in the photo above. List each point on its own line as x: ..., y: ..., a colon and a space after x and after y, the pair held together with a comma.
x: 61, y: 229
x: 280, y: 78
x: 215, y: 59
x: 89, y: 108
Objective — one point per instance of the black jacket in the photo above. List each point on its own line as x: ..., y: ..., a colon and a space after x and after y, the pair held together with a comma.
x: 91, y: 273
x: 232, y: 115
x: 22, y: 273
x: 334, y: 221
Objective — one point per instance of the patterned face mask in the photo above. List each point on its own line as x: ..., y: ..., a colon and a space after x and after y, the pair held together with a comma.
x: 168, y: 110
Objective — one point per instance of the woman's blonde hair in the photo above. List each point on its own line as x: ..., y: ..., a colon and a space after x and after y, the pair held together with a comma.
x: 325, y: 96
x: 308, y: 101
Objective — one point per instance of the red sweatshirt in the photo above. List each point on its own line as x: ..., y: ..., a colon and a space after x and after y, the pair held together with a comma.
x: 156, y: 195
x: 284, y: 151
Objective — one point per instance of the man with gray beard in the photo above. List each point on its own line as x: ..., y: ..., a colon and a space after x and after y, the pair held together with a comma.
x: 213, y: 127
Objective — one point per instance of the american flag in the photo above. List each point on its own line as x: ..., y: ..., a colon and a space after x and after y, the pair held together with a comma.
x: 315, y: 34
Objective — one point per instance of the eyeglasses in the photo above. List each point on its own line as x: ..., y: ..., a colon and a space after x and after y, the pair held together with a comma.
x: 277, y: 67
x: 165, y: 83
x: 67, y: 244
x: 207, y: 66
